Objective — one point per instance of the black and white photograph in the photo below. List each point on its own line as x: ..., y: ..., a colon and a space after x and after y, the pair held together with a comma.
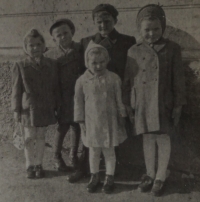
x: 100, y: 100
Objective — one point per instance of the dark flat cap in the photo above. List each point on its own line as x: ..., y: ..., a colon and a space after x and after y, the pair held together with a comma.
x: 105, y: 7
x: 152, y: 10
x: 60, y: 22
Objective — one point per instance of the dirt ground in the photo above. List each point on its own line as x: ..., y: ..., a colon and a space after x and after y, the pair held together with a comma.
x: 15, y: 187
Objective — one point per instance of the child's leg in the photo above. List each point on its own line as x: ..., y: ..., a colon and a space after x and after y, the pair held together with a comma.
x: 58, y: 144
x: 149, y: 146
x: 74, y: 139
x: 110, y: 160
x: 40, y: 145
x: 59, y: 138
x: 94, y: 156
x: 164, y: 150
x: 30, y: 137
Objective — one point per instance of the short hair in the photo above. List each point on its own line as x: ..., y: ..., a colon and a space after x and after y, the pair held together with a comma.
x: 98, y: 51
x: 60, y: 22
x: 33, y: 33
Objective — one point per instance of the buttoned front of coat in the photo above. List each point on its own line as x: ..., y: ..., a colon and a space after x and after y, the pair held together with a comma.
x: 98, y: 103
x: 154, y: 85
x: 35, y: 91
x: 69, y: 71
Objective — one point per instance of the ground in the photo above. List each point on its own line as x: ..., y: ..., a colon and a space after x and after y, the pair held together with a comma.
x: 15, y: 187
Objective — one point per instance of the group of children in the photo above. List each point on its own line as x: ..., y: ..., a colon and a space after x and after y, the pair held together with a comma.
x: 123, y: 82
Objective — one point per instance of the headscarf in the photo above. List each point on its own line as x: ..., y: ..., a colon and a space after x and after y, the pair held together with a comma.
x: 90, y: 46
x: 33, y: 33
x: 152, y: 10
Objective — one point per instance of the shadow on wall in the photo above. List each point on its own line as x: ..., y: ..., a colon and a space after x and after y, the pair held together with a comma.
x: 185, y: 154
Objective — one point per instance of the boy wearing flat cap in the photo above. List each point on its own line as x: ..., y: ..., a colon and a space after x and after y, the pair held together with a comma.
x: 117, y: 45
x: 68, y: 58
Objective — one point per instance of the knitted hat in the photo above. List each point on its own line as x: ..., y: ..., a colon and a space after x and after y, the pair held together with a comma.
x: 60, y: 22
x: 90, y: 46
x: 152, y: 10
x: 105, y: 7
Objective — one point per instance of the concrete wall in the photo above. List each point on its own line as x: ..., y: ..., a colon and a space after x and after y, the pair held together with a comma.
x: 183, y: 16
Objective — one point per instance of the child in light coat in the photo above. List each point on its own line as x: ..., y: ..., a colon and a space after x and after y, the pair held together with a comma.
x: 99, y: 111
x: 155, y: 77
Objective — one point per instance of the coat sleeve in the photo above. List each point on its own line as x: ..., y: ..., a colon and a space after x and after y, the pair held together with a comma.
x: 128, y: 83
x: 17, y: 89
x: 118, y: 91
x: 178, y: 78
x: 79, y: 102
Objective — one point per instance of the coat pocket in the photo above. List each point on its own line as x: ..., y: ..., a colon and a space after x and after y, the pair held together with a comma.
x: 133, y: 97
x: 26, y: 100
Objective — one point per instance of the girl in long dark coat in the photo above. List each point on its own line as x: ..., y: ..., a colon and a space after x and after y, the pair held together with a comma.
x: 35, y: 99
x: 156, y: 76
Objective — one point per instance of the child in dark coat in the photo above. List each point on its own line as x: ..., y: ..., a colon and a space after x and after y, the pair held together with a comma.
x: 35, y: 99
x: 66, y: 53
x: 155, y: 77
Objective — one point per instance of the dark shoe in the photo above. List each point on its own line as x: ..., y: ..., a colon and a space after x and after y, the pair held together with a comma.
x: 146, y: 184
x: 158, y: 188
x: 108, y: 186
x: 94, y: 183
x: 30, y: 172
x: 76, y: 176
x: 39, y: 172
x: 61, y: 166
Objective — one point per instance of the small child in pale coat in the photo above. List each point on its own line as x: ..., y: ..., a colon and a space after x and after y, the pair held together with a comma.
x: 99, y: 111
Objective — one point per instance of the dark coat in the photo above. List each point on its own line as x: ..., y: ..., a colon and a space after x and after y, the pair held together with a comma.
x: 69, y: 71
x: 117, y: 46
x: 35, y: 91
x: 154, y: 84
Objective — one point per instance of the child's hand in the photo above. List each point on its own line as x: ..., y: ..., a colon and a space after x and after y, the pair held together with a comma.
x: 58, y: 112
x: 130, y: 113
x: 17, y: 117
x: 82, y: 126
x: 176, y: 115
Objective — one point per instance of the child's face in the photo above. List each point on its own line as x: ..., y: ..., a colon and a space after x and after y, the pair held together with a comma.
x: 151, y: 30
x: 97, y: 63
x: 62, y: 36
x: 35, y: 47
x: 105, y: 23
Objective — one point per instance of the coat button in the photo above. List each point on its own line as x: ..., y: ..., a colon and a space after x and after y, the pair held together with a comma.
x: 144, y: 82
x: 155, y: 67
x: 144, y: 70
x: 155, y: 79
x: 143, y: 58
